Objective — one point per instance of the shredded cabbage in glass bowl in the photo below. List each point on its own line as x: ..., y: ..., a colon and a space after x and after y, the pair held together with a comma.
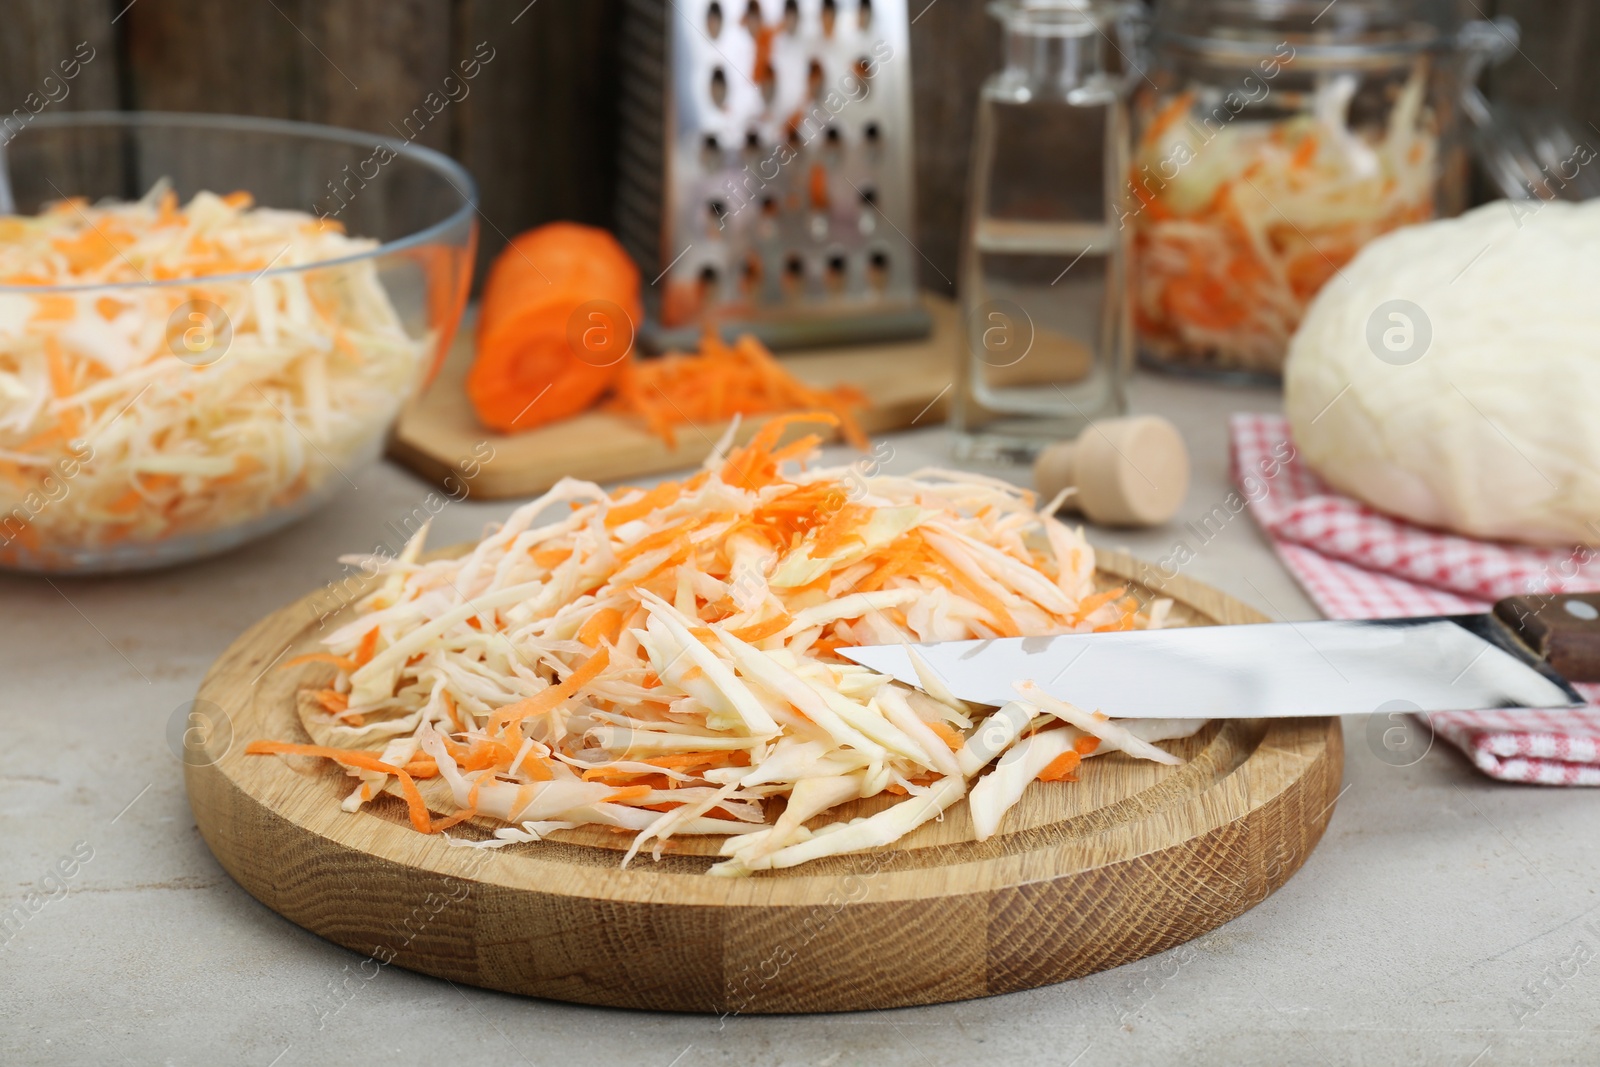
x: 180, y: 374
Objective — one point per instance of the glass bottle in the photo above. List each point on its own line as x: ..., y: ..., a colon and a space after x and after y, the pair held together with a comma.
x: 1042, y: 282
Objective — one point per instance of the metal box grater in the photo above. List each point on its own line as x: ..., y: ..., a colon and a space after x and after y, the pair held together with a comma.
x: 766, y: 169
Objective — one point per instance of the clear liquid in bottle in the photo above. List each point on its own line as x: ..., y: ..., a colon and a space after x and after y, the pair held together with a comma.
x: 1043, y: 294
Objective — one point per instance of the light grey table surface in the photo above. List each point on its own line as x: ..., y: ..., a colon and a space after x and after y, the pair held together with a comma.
x: 1444, y: 918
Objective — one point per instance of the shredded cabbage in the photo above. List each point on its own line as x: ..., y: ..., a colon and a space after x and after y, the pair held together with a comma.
x: 662, y: 662
x: 128, y: 418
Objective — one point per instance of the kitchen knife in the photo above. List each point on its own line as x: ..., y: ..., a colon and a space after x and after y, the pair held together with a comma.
x: 1521, y: 656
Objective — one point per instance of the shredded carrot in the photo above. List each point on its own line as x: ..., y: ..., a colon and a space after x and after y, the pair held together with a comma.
x: 537, y: 769
x: 1089, y: 604
x: 1063, y: 768
x: 550, y: 558
x: 450, y: 711
x: 332, y: 701
x: 948, y: 734
x: 551, y: 697
x: 368, y: 645
x: 365, y: 761
x: 603, y: 625
x: 762, y: 630
x: 659, y: 497
x: 722, y: 381
x: 687, y: 760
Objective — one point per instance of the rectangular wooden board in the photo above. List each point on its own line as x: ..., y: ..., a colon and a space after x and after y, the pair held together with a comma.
x: 906, y: 382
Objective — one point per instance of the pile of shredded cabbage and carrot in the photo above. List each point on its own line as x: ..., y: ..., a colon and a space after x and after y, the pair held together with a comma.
x: 662, y: 661
x: 119, y: 422
x: 1260, y: 214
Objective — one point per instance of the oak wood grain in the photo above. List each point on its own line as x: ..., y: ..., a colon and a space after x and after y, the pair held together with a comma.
x: 1131, y: 860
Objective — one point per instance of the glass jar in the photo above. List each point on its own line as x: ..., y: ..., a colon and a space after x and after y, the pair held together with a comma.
x: 1272, y: 139
x: 1043, y: 297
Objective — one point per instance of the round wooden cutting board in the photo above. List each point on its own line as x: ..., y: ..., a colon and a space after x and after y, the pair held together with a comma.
x: 1131, y: 860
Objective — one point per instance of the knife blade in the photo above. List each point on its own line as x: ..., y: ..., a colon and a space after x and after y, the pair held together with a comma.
x: 1332, y: 667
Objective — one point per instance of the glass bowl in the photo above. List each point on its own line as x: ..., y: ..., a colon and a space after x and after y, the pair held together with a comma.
x: 145, y: 423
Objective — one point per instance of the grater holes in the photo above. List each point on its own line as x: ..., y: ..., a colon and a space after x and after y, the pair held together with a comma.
x: 719, y: 88
x: 814, y: 79
x: 791, y: 16
x: 831, y: 136
x: 835, y: 274
x: 769, y: 207
x: 752, y: 16
x: 872, y: 134
x: 864, y: 14
x: 718, y: 210
x: 752, y: 141
x: 750, y: 273
x: 714, y: 19
x: 767, y: 81
x: 867, y: 221
x: 830, y: 15
x: 861, y: 72
x: 878, y: 269
x: 817, y: 187
x: 793, y: 280
x: 707, y: 279
x: 710, y: 151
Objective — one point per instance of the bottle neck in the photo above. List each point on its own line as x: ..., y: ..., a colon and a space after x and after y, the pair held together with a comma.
x: 1054, y: 63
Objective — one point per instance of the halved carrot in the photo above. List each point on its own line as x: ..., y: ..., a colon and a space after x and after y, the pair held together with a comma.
x: 528, y: 372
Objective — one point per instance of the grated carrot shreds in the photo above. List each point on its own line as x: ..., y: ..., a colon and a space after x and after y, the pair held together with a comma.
x: 661, y: 661
x: 721, y: 382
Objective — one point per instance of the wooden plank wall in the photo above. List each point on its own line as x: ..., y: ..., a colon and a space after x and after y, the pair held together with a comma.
x: 537, y: 127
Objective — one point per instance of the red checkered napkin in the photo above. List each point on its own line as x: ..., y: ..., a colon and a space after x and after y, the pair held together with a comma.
x: 1356, y: 563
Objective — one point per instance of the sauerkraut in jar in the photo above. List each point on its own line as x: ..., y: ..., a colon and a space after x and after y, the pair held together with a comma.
x: 1272, y: 141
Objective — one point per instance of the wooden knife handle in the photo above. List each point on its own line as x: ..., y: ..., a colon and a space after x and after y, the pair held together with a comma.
x: 1564, y: 628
